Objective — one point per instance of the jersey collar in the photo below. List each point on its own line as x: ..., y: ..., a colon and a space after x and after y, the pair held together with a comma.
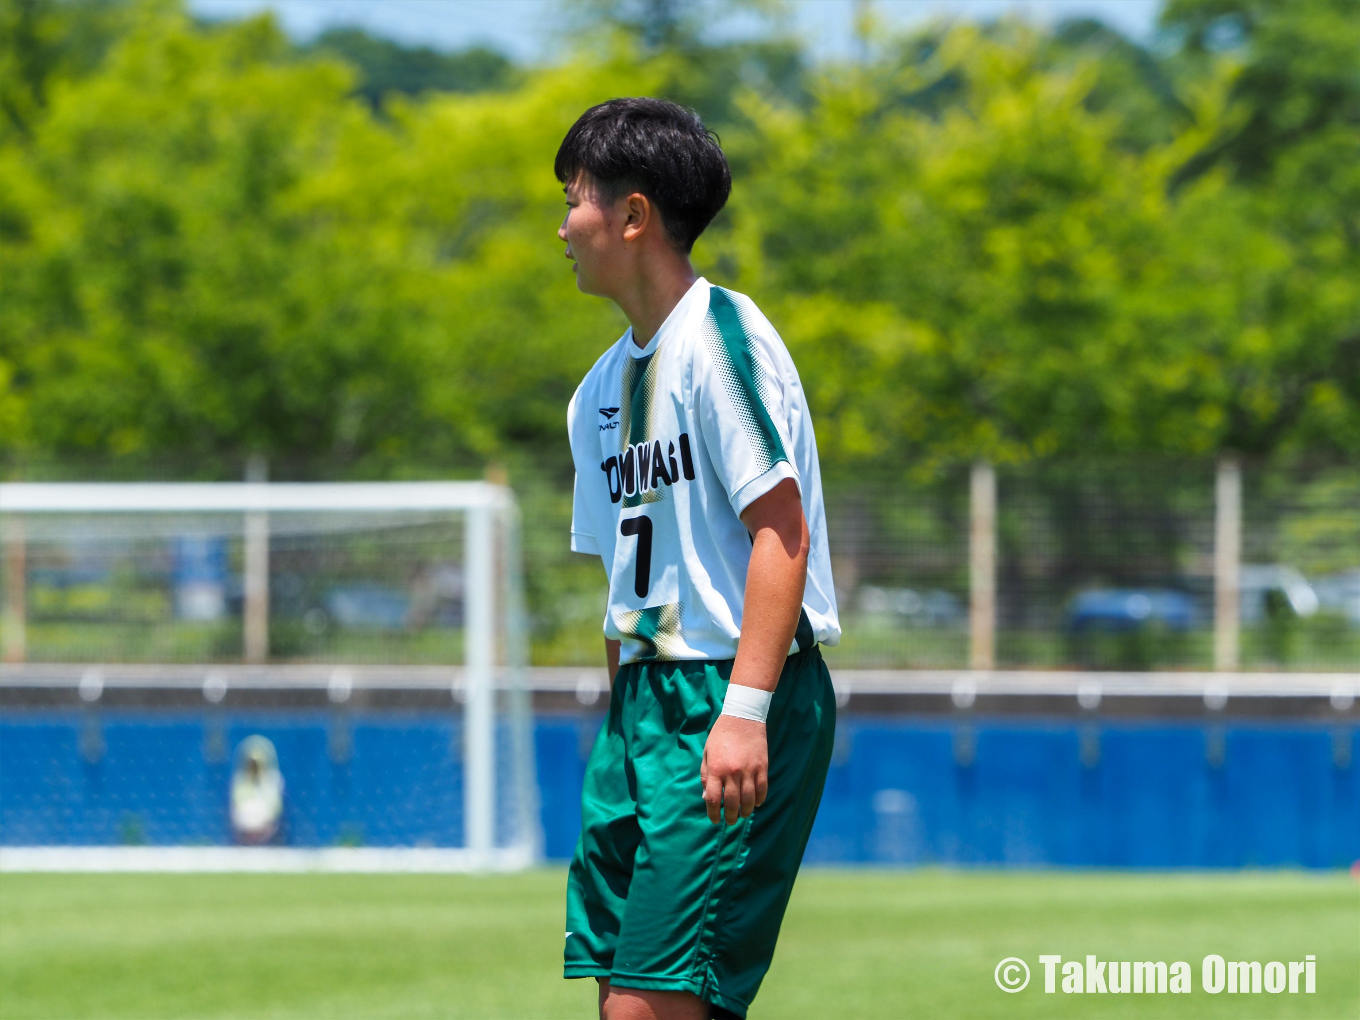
x: 697, y: 292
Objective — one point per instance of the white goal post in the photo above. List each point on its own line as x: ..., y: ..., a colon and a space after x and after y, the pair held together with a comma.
x: 493, y: 621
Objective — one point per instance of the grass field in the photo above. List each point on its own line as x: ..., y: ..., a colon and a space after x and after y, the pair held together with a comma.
x: 859, y: 944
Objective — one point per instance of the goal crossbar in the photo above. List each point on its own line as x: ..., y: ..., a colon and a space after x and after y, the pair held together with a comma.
x: 247, y: 497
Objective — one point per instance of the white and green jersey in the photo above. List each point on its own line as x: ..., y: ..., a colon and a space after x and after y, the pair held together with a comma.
x: 671, y: 443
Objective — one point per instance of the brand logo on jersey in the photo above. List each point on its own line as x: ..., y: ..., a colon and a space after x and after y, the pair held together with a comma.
x: 644, y: 467
x: 610, y: 418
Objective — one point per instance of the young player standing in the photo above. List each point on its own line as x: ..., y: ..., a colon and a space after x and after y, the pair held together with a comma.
x: 697, y: 484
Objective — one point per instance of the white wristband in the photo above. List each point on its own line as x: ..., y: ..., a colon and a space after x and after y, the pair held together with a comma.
x: 747, y: 702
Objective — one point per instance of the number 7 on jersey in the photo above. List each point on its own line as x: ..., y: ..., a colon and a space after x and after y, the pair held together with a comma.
x: 642, y: 574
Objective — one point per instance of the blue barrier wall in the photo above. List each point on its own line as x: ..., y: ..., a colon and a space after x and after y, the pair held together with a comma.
x: 901, y: 790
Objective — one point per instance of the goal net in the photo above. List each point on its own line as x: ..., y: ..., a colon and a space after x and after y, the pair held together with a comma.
x: 264, y: 676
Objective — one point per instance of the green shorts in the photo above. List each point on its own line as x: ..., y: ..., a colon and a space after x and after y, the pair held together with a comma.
x: 658, y: 896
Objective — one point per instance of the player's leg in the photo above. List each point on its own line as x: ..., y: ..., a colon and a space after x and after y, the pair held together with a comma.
x: 682, y: 855
x: 642, y: 1004
x: 601, y: 873
x: 602, y: 866
x: 801, y: 733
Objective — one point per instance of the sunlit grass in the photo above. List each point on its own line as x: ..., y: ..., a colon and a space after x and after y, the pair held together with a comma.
x: 859, y: 944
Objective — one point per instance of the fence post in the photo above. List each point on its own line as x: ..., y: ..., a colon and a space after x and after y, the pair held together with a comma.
x: 479, y: 595
x: 1227, y: 560
x: 517, y: 659
x: 982, y: 568
x: 256, y: 622
x: 14, y: 624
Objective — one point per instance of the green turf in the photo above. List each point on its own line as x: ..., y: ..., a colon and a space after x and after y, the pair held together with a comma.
x: 856, y: 944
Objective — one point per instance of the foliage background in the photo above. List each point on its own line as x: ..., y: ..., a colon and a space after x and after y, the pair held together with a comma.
x: 995, y: 241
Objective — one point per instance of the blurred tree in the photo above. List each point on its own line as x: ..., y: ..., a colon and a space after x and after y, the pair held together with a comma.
x: 41, y: 40
x: 1297, y: 77
x: 978, y: 242
x: 166, y: 295
x: 1289, y: 137
x: 1131, y: 82
x: 208, y: 252
x: 385, y: 66
x: 959, y: 283
x: 699, y: 61
x: 964, y: 220
x: 661, y: 25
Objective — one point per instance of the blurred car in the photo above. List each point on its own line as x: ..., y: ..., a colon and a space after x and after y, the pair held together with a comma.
x: 435, y: 598
x: 1266, y: 589
x: 1126, y: 609
x: 372, y: 606
x: 933, y: 608
x: 1340, y: 594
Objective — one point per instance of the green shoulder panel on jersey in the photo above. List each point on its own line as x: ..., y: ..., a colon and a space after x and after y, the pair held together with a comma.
x: 635, y: 420
x: 734, y: 354
x: 637, y: 382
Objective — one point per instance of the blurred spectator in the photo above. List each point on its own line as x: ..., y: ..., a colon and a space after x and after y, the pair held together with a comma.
x: 256, y: 792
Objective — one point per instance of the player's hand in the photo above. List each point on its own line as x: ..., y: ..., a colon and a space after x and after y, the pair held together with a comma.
x: 735, y: 772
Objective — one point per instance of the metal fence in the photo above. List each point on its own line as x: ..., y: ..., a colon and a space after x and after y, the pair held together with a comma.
x: 1125, y: 566
x: 1105, y: 566
x: 1095, y: 566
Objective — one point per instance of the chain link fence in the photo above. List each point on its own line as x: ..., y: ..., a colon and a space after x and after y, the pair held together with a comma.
x: 1096, y: 566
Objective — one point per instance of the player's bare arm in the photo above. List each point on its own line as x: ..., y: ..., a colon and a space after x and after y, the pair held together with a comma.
x: 735, y: 767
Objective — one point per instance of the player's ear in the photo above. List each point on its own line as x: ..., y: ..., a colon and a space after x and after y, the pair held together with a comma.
x: 638, y: 215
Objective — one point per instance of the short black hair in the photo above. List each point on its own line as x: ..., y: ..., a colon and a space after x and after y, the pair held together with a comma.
x: 654, y: 147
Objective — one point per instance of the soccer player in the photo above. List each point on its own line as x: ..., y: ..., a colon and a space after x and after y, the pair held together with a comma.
x: 697, y: 484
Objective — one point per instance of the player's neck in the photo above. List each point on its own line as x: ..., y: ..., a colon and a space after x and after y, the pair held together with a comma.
x: 652, y: 294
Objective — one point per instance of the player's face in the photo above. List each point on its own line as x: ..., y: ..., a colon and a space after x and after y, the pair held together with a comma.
x: 592, y: 232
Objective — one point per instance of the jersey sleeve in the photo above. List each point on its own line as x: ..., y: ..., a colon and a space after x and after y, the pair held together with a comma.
x: 582, y: 533
x: 740, y: 406
x: 582, y: 540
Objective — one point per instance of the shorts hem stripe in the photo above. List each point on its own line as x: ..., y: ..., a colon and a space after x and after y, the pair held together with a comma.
x: 652, y: 983
x: 584, y: 970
